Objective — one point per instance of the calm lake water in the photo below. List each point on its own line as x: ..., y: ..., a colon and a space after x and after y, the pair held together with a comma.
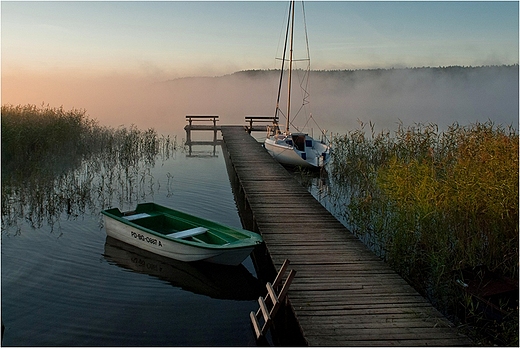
x: 66, y: 284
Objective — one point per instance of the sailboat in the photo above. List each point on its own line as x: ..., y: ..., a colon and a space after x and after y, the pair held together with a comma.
x: 293, y: 148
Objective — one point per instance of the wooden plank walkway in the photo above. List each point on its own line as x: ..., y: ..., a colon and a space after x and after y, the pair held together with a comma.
x: 343, y: 295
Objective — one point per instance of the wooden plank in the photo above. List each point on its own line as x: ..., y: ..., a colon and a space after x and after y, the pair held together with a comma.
x: 264, y: 310
x: 358, y: 322
x: 254, y: 117
x: 272, y: 293
x: 344, y: 295
x: 202, y: 127
x: 288, y: 281
x: 256, y: 325
x: 202, y: 117
x: 281, y: 273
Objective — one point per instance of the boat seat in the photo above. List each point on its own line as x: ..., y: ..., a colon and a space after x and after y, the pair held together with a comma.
x: 136, y: 216
x: 188, y: 233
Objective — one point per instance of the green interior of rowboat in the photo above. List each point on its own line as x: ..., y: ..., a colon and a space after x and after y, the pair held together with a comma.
x: 165, y: 224
x: 162, y: 222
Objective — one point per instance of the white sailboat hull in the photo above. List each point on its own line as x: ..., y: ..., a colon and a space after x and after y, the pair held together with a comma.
x: 298, y: 150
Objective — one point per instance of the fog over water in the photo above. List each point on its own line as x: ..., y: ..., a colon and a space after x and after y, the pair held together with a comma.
x: 338, y: 99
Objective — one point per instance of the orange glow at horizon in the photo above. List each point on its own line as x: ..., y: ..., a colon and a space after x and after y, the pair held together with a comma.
x: 124, y: 100
x: 111, y: 100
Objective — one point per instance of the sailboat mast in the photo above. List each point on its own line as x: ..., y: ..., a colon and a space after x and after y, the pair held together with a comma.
x: 290, y: 69
x: 276, y: 117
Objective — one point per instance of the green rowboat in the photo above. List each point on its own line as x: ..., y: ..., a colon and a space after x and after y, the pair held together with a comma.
x: 180, y: 236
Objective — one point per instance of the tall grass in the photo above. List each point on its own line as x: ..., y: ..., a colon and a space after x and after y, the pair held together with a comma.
x: 56, y: 161
x: 30, y: 134
x: 433, y: 203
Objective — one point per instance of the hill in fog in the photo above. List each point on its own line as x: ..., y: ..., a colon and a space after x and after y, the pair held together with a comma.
x: 339, y: 98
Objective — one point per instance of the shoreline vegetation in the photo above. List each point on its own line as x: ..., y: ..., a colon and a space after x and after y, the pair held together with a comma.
x: 435, y: 206
x: 57, y: 161
x: 432, y: 204
x: 46, y: 139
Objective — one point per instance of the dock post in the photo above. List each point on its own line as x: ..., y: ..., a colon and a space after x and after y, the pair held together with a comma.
x: 214, y: 129
x: 188, y: 134
x: 188, y: 129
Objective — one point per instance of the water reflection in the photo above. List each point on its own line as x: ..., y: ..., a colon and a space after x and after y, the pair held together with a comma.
x: 202, y: 153
x: 63, y: 283
x: 216, y: 281
x: 120, y: 174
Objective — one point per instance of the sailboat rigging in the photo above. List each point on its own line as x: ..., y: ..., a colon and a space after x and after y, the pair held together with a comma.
x: 289, y: 148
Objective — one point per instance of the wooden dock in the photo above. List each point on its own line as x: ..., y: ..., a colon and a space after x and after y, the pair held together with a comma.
x: 343, y: 295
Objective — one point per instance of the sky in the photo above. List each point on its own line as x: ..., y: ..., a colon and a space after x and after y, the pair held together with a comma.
x: 192, y: 38
x: 104, y: 56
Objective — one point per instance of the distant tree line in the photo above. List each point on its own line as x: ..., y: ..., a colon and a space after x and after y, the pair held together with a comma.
x: 450, y: 68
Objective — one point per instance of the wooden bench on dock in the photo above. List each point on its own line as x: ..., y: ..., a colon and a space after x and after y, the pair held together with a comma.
x: 204, y: 118
x: 252, y: 119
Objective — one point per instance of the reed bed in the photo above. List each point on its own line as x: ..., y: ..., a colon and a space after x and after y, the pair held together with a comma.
x: 434, y: 203
x: 58, y: 162
x: 30, y: 133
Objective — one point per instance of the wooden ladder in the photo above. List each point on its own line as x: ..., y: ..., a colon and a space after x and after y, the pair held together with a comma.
x: 271, y: 300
